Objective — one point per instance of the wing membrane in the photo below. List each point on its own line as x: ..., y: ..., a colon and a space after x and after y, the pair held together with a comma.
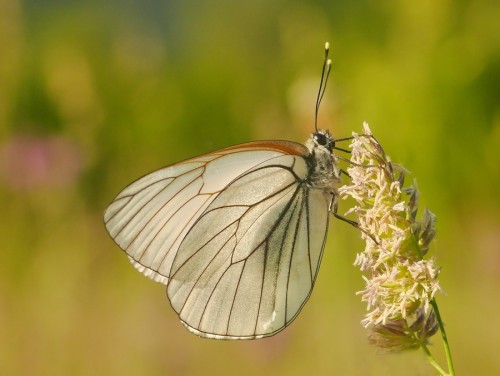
x: 150, y: 218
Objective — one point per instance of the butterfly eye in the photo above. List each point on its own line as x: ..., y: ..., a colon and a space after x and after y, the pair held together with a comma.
x: 320, y: 139
x: 323, y: 140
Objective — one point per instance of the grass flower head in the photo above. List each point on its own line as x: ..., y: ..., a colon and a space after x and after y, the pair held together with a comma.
x: 400, y: 284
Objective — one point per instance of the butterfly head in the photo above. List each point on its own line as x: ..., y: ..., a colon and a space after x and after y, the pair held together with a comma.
x: 324, y: 173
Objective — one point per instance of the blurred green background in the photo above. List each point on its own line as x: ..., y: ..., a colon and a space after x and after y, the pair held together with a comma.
x: 95, y: 94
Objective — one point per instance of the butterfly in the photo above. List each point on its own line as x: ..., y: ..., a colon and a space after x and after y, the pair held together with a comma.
x: 236, y: 235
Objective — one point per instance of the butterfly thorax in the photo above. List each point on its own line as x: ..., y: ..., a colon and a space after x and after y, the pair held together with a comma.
x: 324, y: 169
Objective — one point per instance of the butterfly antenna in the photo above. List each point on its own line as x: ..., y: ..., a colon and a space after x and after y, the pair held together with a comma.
x: 325, y: 73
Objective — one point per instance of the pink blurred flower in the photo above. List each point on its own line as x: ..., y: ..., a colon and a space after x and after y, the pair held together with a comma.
x: 29, y: 162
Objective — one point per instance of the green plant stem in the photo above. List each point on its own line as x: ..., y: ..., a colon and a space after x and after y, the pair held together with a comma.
x: 445, y: 338
x: 441, y: 328
x: 432, y: 361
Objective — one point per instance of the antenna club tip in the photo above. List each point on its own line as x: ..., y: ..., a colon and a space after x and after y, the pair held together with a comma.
x: 327, y: 46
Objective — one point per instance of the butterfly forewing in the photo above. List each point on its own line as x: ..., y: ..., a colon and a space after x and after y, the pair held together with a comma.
x: 150, y: 218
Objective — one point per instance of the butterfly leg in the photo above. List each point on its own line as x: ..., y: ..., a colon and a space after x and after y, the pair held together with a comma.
x: 345, y: 173
x: 333, y: 209
x: 350, y: 221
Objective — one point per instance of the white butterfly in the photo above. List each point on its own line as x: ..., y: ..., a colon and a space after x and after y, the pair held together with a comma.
x: 237, y: 235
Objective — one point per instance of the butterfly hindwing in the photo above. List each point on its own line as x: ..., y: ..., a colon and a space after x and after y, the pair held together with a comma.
x: 249, y: 262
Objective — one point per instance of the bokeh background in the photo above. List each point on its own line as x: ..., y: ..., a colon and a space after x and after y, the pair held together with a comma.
x: 95, y: 94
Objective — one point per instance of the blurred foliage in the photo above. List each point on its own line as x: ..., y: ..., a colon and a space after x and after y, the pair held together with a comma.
x: 95, y: 94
